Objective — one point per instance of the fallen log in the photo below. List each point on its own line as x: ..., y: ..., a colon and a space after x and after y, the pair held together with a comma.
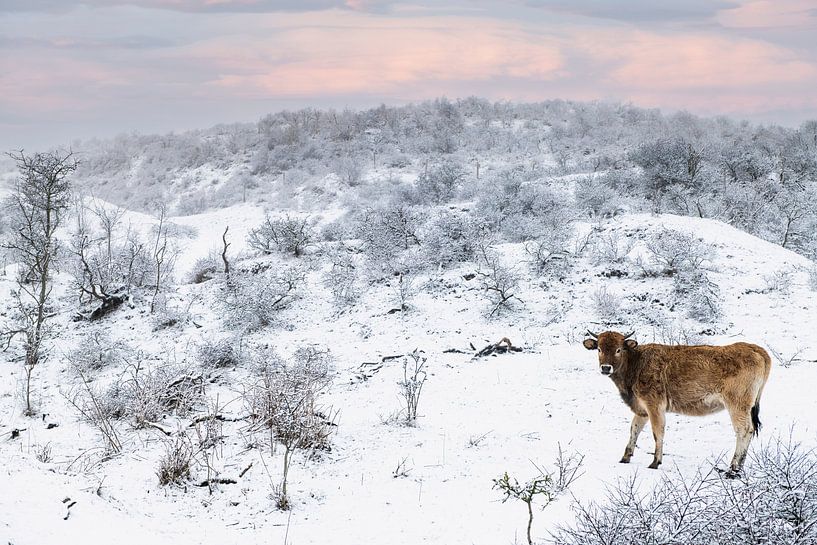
x: 502, y: 347
x: 219, y: 417
x: 216, y: 480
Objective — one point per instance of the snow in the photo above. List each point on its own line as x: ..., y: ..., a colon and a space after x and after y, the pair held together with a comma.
x: 478, y: 418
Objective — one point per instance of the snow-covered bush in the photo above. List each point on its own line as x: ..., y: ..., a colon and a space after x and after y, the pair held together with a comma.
x: 91, y: 402
x: 288, y: 235
x: 337, y: 230
x: 167, y: 313
x: 251, y: 300
x: 403, y: 279
x: 778, y: 282
x: 610, y: 248
x: 174, y: 466
x: 448, y: 238
x: 700, y: 295
x: 206, y: 268
x: 594, y: 195
x: 812, y: 277
x: 675, y: 251
x: 775, y: 501
x: 606, y: 304
x: 388, y: 231
x: 440, y: 183
x: 534, y: 210
x: 97, y: 351
x: 342, y: 278
x: 146, y: 394
x: 219, y: 354
x: 499, y: 283
x: 549, y: 251
x: 284, y: 398
x: 520, y: 208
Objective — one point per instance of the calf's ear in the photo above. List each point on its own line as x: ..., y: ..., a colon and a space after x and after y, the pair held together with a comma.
x: 631, y: 343
x: 590, y: 344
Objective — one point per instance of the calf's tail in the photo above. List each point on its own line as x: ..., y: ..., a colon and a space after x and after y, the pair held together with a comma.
x: 756, y: 417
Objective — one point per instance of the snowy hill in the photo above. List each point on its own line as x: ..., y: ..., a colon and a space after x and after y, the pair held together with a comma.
x: 381, y: 480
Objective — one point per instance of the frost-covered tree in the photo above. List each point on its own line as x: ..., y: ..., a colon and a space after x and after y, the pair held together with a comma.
x: 36, y: 208
x: 288, y: 235
x: 252, y: 299
x: 284, y: 398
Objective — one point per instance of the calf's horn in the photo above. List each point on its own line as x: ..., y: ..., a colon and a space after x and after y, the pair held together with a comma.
x: 592, y: 334
x: 630, y: 334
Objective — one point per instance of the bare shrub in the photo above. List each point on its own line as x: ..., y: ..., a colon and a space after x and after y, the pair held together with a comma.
x: 98, y: 351
x: 402, y: 469
x: 439, y: 183
x: 774, y: 502
x: 403, y: 286
x: 167, y: 313
x: 673, y: 332
x: 778, y: 282
x: 606, y: 304
x: 284, y: 399
x: 205, y: 268
x: 546, y: 486
x: 414, y: 377
x: 91, y: 404
x: 289, y: 235
x: 499, y: 283
x: 219, y: 354
x: 174, y: 466
x: 147, y: 394
x: 675, y: 251
x: 251, y: 301
x: 342, y: 278
x: 548, y: 252
x: 786, y: 360
x: 43, y: 453
x: 597, y: 197
x: 812, y: 277
x: 447, y: 238
x: 389, y: 231
x: 611, y: 248
x: 700, y: 295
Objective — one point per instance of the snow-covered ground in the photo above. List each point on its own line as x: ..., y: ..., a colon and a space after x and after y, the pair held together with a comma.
x: 382, y: 481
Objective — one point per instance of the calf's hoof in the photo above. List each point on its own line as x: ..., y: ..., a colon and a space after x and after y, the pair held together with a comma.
x: 624, y: 460
x: 732, y: 474
x: 654, y: 464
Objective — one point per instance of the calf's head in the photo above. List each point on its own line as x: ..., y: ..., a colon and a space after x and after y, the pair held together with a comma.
x: 613, y: 347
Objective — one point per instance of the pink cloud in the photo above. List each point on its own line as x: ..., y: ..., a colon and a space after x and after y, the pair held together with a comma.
x: 705, y: 72
x: 350, y: 53
x: 56, y: 84
x: 696, y: 61
x: 770, y: 14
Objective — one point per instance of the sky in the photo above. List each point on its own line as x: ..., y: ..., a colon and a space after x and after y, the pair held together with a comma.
x: 97, y: 68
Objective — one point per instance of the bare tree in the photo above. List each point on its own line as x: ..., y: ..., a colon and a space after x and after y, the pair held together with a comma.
x: 109, y: 219
x: 36, y: 206
x: 94, y: 270
x: 162, y: 256
x: 224, y: 251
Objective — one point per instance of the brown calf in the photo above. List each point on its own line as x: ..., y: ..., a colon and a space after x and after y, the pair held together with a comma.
x: 695, y: 380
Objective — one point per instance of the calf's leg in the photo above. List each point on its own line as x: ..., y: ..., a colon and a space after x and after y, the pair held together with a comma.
x: 657, y: 421
x: 742, y: 422
x: 635, y: 429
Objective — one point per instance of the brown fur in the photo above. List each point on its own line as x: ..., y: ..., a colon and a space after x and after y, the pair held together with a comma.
x: 654, y: 379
